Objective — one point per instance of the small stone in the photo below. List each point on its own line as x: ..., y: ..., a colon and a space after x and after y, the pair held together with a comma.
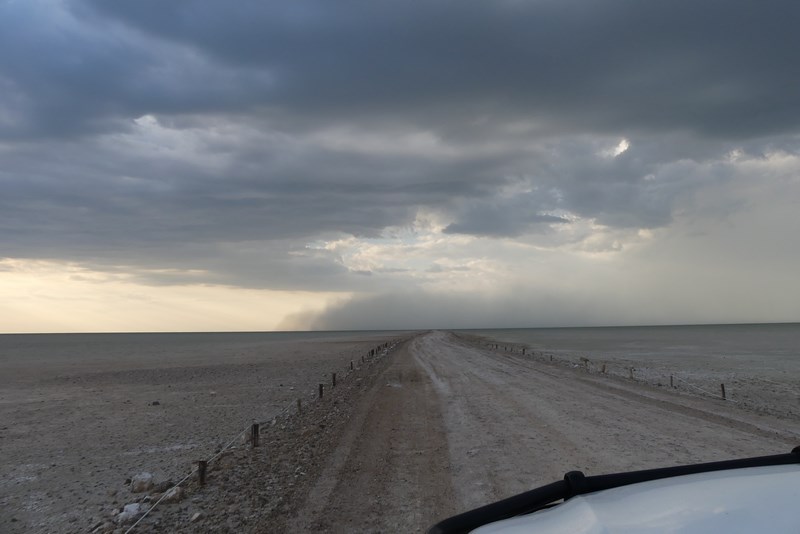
x: 173, y: 495
x: 129, y: 513
x: 196, y: 516
x: 105, y: 527
x: 141, y: 482
x: 161, y: 487
x: 156, y: 403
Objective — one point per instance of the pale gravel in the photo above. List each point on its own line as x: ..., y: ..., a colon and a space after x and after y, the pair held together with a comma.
x: 73, y: 431
x: 443, y: 425
x: 440, y: 424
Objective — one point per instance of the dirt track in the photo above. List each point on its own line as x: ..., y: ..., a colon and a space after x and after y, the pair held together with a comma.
x: 451, y: 425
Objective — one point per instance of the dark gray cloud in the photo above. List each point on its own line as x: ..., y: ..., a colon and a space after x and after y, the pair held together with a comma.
x: 68, y: 74
x: 717, y: 68
x: 168, y: 137
x: 720, y: 68
x: 512, y: 218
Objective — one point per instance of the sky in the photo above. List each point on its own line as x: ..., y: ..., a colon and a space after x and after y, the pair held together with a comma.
x: 212, y: 166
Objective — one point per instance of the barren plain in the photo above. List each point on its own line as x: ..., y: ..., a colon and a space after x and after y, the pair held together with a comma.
x: 438, y: 424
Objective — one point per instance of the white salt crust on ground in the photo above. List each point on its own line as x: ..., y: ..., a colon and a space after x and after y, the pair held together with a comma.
x: 71, y: 433
x: 441, y: 424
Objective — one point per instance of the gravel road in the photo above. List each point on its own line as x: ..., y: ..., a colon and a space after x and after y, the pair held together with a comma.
x: 451, y: 425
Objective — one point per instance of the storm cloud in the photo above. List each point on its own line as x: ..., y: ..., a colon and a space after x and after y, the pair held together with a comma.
x: 392, y: 147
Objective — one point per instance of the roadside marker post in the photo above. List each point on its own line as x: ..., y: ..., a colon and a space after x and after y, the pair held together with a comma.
x: 201, y: 472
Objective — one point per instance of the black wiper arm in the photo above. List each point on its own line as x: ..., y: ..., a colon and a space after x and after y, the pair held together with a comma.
x: 575, y: 483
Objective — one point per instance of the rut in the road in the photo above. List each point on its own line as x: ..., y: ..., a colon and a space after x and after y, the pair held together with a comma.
x: 465, y: 426
x: 390, y: 470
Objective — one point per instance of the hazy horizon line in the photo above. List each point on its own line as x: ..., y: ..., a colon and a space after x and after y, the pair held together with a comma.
x: 566, y: 327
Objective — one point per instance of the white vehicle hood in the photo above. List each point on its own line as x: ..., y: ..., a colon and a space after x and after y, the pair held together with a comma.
x: 755, y: 499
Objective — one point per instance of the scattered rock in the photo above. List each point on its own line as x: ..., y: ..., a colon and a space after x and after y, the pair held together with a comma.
x: 196, y: 517
x: 156, y: 403
x: 130, y: 513
x: 161, y: 487
x: 142, y: 482
x: 104, y: 527
x: 173, y: 495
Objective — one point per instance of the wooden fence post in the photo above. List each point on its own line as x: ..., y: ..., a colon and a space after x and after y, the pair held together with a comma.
x: 254, y: 435
x: 722, y: 388
x: 321, y: 388
x: 201, y: 472
x: 671, y: 381
x: 333, y: 380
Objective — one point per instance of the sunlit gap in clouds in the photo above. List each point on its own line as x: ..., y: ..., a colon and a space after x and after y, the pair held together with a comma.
x: 617, y: 150
x: 51, y: 296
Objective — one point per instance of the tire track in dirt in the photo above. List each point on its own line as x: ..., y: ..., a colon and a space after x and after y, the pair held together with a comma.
x: 451, y: 425
x: 712, y: 411
x: 498, y: 445
x: 511, y: 427
x: 389, y: 472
